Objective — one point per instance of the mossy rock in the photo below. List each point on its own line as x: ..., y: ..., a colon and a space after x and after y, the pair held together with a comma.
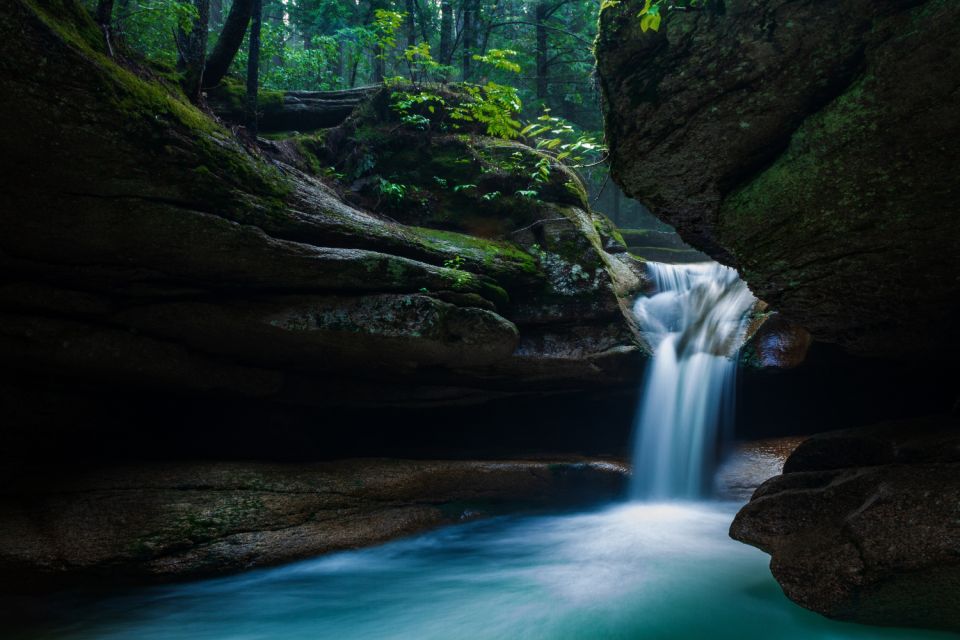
x: 806, y: 144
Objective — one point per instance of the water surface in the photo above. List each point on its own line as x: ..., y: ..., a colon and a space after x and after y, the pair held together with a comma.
x: 637, y: 571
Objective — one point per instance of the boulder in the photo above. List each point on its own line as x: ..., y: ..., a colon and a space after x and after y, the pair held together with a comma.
x: 810, y: 146
x: 863, y: 524
x: 777, y: 343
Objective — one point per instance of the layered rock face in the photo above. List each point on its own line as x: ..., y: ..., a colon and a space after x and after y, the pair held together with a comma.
x: 169, y: 281
x: 145, y: 246
x: 166, y: 521
x: 864, y: 524
x: 809, y: 144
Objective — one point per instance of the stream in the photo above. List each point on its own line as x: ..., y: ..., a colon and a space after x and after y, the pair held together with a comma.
x: 642, y: 570
x: 658, y: 567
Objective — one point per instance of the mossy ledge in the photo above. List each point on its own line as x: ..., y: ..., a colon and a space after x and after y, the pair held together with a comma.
x: 137, y: 224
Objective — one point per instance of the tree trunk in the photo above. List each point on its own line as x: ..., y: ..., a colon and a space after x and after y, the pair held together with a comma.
x: 104, y: 15
x: 446, y: 32
x: 353, y: 72
x: 468, y: 37
x: 481, y: 47
x: 541, y: 14
x: 297, y: 111
x: 229, y: 42
x: 195, y: 51
x: 379, y: 62
x: 216, y: 15
x: 253, y: 66
x: 379, y: 65
x: 422, y: 20
x: 411, y: 9
x: 615, y: 213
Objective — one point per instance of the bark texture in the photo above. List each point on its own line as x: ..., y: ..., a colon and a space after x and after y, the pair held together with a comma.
x: 229, y: 42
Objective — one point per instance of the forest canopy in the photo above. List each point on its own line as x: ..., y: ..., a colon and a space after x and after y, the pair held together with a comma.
x: 320, y: 45
x: 527, y: 68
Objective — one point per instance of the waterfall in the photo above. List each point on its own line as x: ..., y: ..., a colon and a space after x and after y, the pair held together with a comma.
x: 695, y: 321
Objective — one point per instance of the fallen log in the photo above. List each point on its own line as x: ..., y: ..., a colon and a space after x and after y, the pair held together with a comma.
x: 290, y: 110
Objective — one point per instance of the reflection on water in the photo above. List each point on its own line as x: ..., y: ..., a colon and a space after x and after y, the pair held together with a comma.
x: 651, y: 571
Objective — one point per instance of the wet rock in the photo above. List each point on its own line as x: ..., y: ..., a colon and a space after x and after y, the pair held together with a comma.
x: 167, y: 521
x: 807, y: 145
x: 863, y: 525
x: 777, y: 343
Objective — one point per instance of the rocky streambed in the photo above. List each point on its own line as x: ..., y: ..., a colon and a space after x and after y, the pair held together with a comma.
x: 156, y: 521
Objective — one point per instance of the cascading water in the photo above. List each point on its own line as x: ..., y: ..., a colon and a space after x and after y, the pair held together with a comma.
x: 695, y: 321
x: 640, y: 570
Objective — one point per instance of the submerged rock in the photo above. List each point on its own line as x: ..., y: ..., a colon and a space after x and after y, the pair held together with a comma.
x: 750, y: 464
x: 165, y: 521
x: 864, y: 524
x: 810, y: 145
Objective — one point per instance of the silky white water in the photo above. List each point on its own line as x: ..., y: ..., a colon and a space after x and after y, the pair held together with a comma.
x: 661, y: 569
x: 694, y: 321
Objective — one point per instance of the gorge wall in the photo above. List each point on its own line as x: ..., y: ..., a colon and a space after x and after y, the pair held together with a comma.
x: 149, y: 251
x: 809, y: 144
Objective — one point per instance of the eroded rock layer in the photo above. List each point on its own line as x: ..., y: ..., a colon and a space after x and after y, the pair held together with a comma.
x: 165, y: 521
x: 809, y: 144
x: 146, y: 246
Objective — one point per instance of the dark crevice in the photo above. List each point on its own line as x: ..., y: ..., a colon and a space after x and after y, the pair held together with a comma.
x: 751, y: 168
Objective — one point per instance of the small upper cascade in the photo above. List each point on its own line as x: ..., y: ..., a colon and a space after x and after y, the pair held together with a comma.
x: 695, y: 321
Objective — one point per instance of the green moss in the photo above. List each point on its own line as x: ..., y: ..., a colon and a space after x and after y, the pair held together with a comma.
x: 606, y: 229
x: 311, y: 147
x: 71, y: 22
x: 128, y: 92
x: 478, y: 253
x: 211, y: 523
x: 635, y: 237
x: 159, y: 122
x: 811, y: 174
x: 454, y: 182
x: 230, y: 98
